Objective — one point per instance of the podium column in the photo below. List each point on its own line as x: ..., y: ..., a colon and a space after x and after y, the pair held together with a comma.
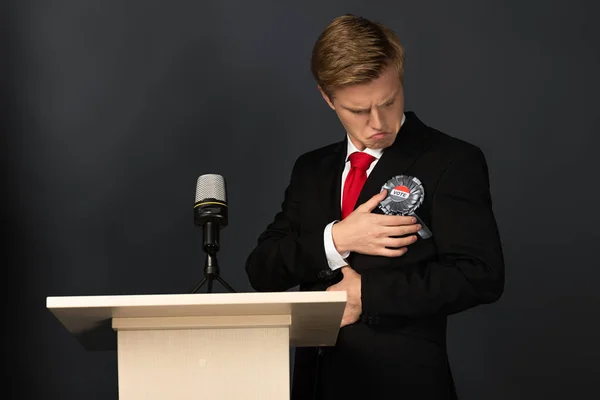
x: 208, y: 357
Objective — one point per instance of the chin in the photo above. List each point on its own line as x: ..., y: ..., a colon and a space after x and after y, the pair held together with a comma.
x: 381, y: 143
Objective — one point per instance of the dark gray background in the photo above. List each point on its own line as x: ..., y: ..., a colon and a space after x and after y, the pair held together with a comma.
x: 112, y: 109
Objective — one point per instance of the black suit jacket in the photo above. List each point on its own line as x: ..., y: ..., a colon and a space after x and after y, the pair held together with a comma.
x: 398, y: 348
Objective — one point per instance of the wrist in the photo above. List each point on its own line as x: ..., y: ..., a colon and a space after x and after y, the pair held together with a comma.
x: 337, y: 234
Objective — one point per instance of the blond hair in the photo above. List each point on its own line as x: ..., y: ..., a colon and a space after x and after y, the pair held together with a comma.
x: 353, y: 50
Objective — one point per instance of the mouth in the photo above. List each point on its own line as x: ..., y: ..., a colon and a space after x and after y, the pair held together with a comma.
x: 380, y: 135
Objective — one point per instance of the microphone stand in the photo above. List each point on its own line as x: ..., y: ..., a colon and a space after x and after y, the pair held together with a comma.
x: 211, y: 265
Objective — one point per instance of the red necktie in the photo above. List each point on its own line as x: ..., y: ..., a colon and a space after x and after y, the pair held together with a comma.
x: 359, y: 164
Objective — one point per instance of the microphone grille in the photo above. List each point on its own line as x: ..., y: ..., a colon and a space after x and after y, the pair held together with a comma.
x: 211, y: 186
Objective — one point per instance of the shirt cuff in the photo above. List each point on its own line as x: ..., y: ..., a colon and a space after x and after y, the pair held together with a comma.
x: 334, y: 258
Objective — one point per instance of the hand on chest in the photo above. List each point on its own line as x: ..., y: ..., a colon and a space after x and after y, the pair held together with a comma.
x: 335, y: 196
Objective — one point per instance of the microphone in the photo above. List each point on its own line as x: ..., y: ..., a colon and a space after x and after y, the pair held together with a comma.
x: 211, y: 213
x: 210, y: 209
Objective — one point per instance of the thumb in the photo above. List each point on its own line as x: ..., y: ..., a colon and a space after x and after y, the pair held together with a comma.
x: 370, y: 204
x: 346, y: 269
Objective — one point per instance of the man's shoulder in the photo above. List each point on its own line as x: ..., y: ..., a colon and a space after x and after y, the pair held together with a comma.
x: 313, y: 156
x: 448, y: 145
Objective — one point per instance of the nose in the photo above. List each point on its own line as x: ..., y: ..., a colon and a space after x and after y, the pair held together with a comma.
x: 376, y: 120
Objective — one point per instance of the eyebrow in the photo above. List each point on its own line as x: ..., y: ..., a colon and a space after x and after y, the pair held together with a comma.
x: 389, y: 100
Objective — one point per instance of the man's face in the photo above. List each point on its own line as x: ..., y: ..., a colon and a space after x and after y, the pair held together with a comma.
x: 371, y: 112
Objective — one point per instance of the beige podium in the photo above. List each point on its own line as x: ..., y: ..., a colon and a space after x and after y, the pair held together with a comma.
x: 205, y: 345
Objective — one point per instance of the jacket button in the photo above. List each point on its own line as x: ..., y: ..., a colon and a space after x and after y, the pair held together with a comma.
x: 325, y: 273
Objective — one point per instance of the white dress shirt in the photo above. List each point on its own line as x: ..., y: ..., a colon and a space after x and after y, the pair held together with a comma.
x: 334, y: 258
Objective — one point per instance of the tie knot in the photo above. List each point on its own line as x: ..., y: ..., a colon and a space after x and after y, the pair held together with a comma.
x: 361, y: 160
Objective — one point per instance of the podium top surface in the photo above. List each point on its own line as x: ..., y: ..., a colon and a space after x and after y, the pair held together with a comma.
x: 315, y: 316
x: 211, y: 299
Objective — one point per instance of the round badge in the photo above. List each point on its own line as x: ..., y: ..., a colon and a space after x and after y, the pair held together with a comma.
x: 404, y: 195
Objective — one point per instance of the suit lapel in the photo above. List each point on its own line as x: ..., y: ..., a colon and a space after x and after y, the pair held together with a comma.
x: 396, y: 159
x: 330, y: 178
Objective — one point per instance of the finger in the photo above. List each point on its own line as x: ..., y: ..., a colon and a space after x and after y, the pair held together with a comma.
x: 392, y: 252
x: 400, y: 230
x: 345, y: 321
x: 398, y: 242
x: 394, y: 220
x: 370, y: 204
x: 349, y: 319
x: 347, y: 270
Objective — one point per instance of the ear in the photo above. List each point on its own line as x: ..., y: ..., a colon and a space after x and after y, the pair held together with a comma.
x: 326, y: 98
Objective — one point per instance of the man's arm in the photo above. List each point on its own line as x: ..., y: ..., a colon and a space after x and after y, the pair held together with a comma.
x: 284, y: 256
x: 469, y: 269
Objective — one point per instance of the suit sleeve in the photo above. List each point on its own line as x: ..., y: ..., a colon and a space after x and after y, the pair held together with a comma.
x: 286, y: 256
x: 469, y: 267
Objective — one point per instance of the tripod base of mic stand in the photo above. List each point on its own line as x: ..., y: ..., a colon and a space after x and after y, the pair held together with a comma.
x: 208, y: 280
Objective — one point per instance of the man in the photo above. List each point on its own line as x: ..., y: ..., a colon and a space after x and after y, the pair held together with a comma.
x: 332, y: 234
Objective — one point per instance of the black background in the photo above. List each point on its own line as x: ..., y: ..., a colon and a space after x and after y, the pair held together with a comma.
x: 112, y: 109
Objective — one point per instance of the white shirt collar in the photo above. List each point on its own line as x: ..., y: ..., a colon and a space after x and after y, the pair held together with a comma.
x: 374, y: 152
